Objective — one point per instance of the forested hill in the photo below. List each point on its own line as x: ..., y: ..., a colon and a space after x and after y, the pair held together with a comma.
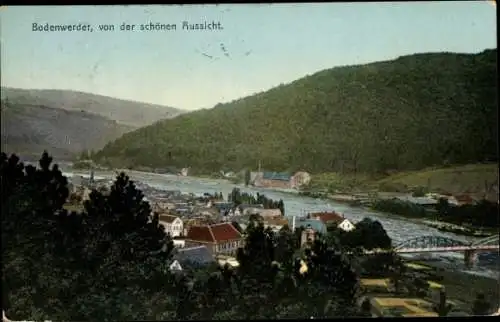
x: 408, y: 113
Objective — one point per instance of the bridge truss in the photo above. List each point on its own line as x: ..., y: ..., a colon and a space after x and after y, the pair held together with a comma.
x: 429, y: 242
x: 425, y: 242
x: 492, y: 240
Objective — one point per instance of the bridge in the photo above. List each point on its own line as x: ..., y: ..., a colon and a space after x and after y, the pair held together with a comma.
x: 438, y: 244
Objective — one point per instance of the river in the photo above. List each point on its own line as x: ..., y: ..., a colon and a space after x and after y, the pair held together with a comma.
x: 398, y: 228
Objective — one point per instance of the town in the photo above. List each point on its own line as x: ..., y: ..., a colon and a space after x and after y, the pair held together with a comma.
x: 209, y: 229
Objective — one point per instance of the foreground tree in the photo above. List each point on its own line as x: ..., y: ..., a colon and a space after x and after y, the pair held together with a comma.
x: 106, y: 263
x: 109, y: 262
x: 443, y: 308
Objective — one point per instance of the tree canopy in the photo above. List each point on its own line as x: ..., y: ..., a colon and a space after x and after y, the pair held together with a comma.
x: 412, y: 112
x: 111, y: 261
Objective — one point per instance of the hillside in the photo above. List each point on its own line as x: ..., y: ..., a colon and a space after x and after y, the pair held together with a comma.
x: 478, y: 180
x: 66, y: 122
x: 30, y: 129
x: 409, y: 113
x: 130, y: 113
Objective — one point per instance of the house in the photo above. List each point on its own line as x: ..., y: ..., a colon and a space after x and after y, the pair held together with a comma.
x: 175, y: 266
x: 346, y: 225
x: 222, y: 238
x: 86, y: 194
x: 300, y: 179
x: 246, y: 209
x: 273, y: 180
x: 197, y: 256
x: 173, y: 224
x: 333, y: 218
x: 179, y: 242
x: 223, y: 207
x: 234, y: 212
x: 275, y: 221
x: 317, y: 225
x: 308, y: 235
x: 276, y: 224
x: 270, y: 213
x: 254, y: 176
x: 163, y: 204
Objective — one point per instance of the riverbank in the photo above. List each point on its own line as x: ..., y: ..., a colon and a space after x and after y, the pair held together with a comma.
x: 383, y: 202
x: 478, y: 180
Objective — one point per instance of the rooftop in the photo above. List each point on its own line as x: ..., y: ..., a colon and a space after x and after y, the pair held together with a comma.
x: 383, y: 282
x: 276, y: 176
x: 194, y: 255
x: 213, y: 233
x: 327, y: 217
x: 167, y: 218
x: 316, y: 225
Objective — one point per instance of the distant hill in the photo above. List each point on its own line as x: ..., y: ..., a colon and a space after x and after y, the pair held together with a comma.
x: 67, y: 122
x: 135, y: 114
x: 30, y: 129
x: 409, y: 113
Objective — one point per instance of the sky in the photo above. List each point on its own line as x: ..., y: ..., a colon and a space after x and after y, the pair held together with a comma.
x: 267, y: 44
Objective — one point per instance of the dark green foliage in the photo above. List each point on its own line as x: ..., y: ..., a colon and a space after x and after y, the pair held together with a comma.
x: 237, y: 226
x: 416, y: 111
x: 400, y: 207
x: 103, y: 264
x: 110, y: 262
x: 481, y: 214
x: 419, y: 192
x: 366, y: 308
x: 481, y: 306
x: 368, y: 234
x: 247, y: 177
x: 237, y: 197
x: 443, y: 308
x: 418, y: 286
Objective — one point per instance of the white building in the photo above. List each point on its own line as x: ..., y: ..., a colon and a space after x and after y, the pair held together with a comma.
x: 234, y: 212
x: 346, y: 225
x: 333, y: 218
x: 175, y: 266
x: 179, y: 243
x: 173, y: 225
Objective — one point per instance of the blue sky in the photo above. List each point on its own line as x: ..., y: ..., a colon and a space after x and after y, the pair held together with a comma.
x: 287, y: 41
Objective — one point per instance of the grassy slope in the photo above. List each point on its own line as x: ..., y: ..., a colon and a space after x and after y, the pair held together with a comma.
x: 409, y: 113
x: 125, y: 112
x: 28, y: 130
x: 474, y: 179
x: 66, y: 122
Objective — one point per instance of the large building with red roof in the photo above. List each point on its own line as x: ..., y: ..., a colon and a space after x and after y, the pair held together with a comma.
x: 222, y: 238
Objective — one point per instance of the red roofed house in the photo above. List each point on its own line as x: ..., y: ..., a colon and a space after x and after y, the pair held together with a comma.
x: 333, y: 218
x: 221, y: 238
